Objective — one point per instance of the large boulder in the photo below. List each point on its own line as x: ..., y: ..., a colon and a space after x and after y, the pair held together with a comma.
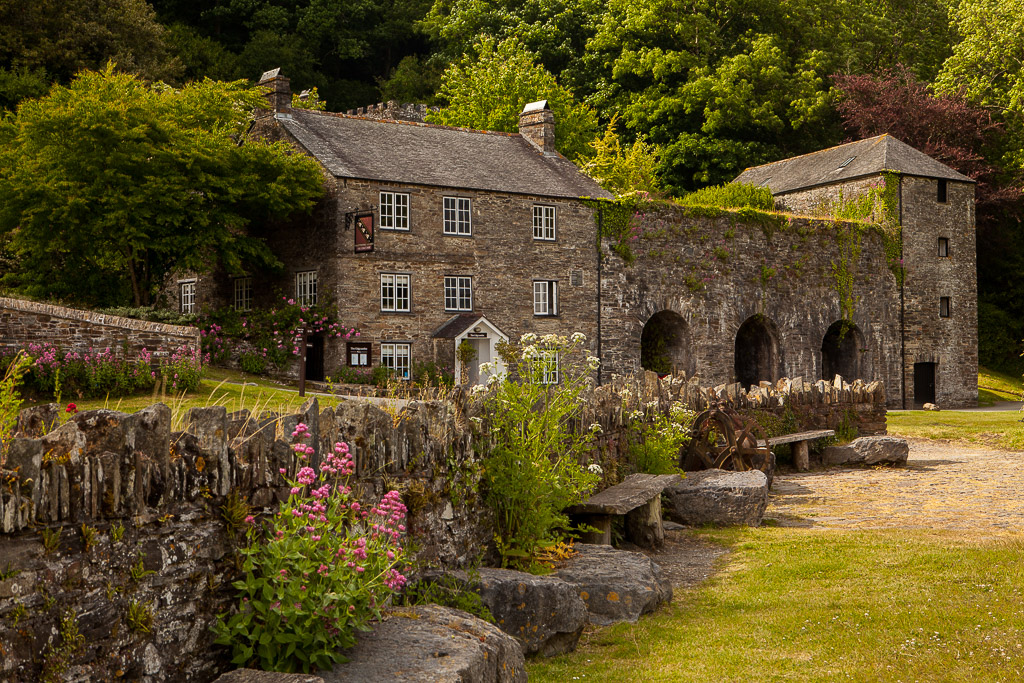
x: 616, y: 585
x: 868, y: 450
x: 544, y: 613
x: 432, y: 644
x: 719, y: 497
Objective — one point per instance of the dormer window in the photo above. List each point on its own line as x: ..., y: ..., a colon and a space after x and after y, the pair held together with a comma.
x: 941, y: 195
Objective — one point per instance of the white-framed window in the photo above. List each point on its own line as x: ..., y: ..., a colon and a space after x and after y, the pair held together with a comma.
x: 187, y: 296
x: 394, y: 211
x: 243, y: 293
x: 394, y: 293
x: 944, y: 308
x: 543, y: 222
x: 305, y: 288
x: 397, y: 357
x: 457, y: 219
x: 545, y: 367
x: 458, y: 293
x: 545, y: 297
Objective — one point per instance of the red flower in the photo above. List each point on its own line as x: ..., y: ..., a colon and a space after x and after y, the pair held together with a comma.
x: 72, y: 408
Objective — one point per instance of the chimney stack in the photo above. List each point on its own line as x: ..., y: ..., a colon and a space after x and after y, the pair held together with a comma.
x: 279, y: 90
x: 537, y: 125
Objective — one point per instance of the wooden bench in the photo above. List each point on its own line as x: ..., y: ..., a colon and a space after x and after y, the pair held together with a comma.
x: 801, y: 445
x: 638, y: 497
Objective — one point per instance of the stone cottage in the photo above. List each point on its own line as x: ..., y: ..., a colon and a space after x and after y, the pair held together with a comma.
x: 430, y: 236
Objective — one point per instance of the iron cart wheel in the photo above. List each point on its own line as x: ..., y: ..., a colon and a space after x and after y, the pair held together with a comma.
x: 721, y: 438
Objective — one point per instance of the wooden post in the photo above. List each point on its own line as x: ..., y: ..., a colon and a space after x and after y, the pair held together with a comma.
x: 302, y: 361
x: 801, y: 456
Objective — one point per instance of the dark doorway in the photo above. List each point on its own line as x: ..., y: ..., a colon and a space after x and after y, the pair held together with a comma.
x: 665, y: 344
x: 840, y: 352
x: 924, y: 384
x: 757, y: 352
x: 315, y: 358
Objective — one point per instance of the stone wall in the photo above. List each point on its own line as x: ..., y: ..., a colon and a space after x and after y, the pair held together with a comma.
x: 139, y: 510
x: 26, y: 322
x: 710, y: 275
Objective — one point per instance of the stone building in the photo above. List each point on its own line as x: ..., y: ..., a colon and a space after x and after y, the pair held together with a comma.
x: 937, y: 325
x: 429, y: 236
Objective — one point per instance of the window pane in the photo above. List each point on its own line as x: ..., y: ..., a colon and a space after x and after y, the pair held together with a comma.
x: 540, y: 298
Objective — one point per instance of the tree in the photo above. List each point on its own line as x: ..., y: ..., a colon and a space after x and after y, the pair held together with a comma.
x: 489, y: 90
x: 110, y: 183
x: 620, y: 168
x: 51, y: 40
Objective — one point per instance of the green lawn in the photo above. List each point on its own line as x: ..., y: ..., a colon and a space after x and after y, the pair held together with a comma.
x: 219, y: 387
x: 826, y: 605
x: 996, y: 386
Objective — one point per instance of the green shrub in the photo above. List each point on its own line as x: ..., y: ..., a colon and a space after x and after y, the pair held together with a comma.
x: 349, y: 375
x: 429, y: 373
x: 253, y: 363
x: 732, y: 196
x: 656, y: 440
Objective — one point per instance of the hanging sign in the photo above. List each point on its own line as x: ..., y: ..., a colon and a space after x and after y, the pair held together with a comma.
x: 364, y: 233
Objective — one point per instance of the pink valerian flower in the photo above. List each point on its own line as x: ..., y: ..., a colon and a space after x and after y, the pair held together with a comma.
x: 250, y: 519
x: 306, y: 475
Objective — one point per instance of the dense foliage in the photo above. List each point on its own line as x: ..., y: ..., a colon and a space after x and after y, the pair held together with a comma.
x: 110, y: 183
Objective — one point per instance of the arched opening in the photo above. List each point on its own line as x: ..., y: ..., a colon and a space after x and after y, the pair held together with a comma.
x: 840, y: 352
x: 665, y: 344
x: 757, y: 352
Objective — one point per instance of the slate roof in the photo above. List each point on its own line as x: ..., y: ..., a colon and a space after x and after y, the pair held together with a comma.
x: 456, y: 325
x: 869, y: 157
x: 424, y: 154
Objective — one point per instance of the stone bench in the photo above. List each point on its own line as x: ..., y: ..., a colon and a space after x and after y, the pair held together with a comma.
x: 801, y: 445
x: 638, y: 497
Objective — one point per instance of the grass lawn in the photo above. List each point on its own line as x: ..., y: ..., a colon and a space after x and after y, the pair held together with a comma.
x: 826, y: 605
x: 219, y: 387
x: 998, y: 386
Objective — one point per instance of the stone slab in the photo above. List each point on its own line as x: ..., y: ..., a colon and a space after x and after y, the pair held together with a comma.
x: 719, y: 497
x: 616, y: 585
x: 634, y: 491
x: 868, y: 450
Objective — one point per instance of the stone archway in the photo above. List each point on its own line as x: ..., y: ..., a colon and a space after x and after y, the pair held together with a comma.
x: 665, y: 344
x: 757, y: 352
x: 840, y: 352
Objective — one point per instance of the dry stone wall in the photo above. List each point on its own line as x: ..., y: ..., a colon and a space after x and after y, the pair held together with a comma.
x: 27, y: 322
x: 110, y: 515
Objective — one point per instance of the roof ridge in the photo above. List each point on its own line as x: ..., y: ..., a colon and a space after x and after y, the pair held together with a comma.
x: 421, y: 124
x: 820, y: 151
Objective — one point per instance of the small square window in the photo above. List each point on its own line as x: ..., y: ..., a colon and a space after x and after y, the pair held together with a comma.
x: 458, y: 293
x: 545, y: 297
x: 243, y: 294
x: 305, y: 288
x: 394, y: 293
x: 358, y: 354
x: 457, y: 213
x: 545, y: 367
x: 942, y: 191
x: 394, y: 211
x: 397, y: 357
x: 944, y: 311
x: 943, y: 247
x: 543, y: 222
x: 187, y: 296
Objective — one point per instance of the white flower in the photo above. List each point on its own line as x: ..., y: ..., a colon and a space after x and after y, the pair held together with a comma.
x: 596, y: 428
x: 578, y: 337
x: 593, y: 362
x: 551, y: 340
x: 528, y: 338
x: 636, y: 415
x: 486, y: 368
x: 530, y: 352
x: 478, y: 389
x: 493, y: 379
x: 595, y: 469
x: 476, y: 420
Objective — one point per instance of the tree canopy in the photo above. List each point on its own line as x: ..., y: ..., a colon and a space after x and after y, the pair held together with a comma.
x: 110, y: 183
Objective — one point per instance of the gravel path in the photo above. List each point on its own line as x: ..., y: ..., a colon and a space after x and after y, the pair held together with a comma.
x: 943, y: 486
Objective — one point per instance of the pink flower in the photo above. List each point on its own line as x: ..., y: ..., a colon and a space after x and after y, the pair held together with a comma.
x: 250, y: 519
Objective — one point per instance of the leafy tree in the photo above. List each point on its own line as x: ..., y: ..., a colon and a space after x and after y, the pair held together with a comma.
x: 490, y: 89
x: 110, y: 183
x: 620, y: 168
x: 987, y: 65
x: 51, y: 40
x: 723, y: 84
